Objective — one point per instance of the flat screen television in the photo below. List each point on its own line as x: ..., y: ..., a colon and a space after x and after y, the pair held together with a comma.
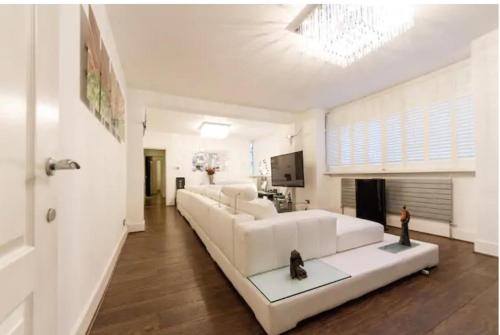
x: 288, y: 170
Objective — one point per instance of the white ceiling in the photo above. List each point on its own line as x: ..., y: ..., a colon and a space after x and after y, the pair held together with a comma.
x: 169, y: 121
x: 242, y: 54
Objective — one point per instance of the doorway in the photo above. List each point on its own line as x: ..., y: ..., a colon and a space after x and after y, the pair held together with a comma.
x: 155, y: 177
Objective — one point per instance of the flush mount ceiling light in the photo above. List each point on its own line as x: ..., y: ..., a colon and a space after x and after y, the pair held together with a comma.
x: 344, y: 33
x: 214, y: 130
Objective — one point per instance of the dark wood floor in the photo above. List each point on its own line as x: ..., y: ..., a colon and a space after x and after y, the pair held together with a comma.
x: 166, y: 283
x: 154, y: 200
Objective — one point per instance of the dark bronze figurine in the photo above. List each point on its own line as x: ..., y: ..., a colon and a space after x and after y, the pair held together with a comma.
x: 405, y: 234
x: 295, y: 266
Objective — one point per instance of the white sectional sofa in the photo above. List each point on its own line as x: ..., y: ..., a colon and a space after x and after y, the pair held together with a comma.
x: 256, y: 239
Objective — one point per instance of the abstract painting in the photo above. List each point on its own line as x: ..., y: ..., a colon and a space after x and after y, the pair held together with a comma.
x: 99, y: 86
x: 203, y: 160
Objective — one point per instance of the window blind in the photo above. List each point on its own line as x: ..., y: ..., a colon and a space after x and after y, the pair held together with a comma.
x: 393, y: 138
x: 433, y: 137
x: 374, y: 140
x: 439, y: 131
x: 464, y: 128
x: 414, y: 127
x: 345, y: 146
x: 332, y: 147
x: 358, y: 145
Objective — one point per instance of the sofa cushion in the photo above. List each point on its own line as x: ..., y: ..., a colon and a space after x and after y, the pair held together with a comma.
x: 245, y: 192
x: 232, y: 182
x: 199, y: 189
x: 355, y: 232
x: 219, y: 226
x: 264, y: 245
x: 259, y: 208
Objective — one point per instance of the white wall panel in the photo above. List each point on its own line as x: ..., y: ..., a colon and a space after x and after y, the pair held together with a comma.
x: 92, y: 208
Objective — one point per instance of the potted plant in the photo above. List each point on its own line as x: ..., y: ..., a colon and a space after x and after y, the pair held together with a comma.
x: 210, y: 172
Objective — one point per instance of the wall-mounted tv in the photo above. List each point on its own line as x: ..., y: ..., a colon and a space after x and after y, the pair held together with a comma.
x: 288, y: 170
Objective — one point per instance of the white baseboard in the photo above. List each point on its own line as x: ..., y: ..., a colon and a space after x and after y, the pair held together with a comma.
x: 85, y: 320
x: 136, y: 226
x: 463, y: 235
x: 486, y: 247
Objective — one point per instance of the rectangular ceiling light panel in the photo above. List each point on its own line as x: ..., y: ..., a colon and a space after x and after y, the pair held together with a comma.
x: 214, y: 130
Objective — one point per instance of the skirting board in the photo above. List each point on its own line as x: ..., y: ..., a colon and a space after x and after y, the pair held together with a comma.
x: 137, y: 226
x: 463, y: 235
x: 485, y: 247
x: 85, y: 320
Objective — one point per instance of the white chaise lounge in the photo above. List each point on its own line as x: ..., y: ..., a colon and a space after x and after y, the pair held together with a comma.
x: 258, y: 240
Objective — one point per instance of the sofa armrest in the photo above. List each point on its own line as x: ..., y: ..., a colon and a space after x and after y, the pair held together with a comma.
x: 264, y: 245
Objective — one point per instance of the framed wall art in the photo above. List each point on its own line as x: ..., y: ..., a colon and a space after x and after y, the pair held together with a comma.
x: 99, y: 88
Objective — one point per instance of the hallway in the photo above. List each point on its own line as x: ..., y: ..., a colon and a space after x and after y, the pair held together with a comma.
x: 166, y: 283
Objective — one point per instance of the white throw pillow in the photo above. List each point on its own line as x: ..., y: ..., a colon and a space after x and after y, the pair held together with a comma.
x: 234, y: 182
x: 196, y: 189
x: 258, y: 208
x: 245, y: 192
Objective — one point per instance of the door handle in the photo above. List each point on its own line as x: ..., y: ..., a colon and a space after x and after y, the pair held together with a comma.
x: 51, y: 165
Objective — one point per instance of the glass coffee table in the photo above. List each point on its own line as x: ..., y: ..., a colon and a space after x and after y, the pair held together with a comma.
x: 277, y: 284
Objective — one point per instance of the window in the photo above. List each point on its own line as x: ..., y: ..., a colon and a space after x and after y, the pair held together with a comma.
x: 358, y: 145
x: 374, y: 140
x: 414, y: 127
x: 345, y: 146
x: 437, y: 137
x: 440, y: 131
x: 423, y: 125
x: 465, y: 125
x: 332, y: 148
x: 393, y: 138
x: 252, y: 159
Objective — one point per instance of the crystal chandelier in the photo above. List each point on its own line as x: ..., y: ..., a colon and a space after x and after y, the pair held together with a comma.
x: 344, y: 33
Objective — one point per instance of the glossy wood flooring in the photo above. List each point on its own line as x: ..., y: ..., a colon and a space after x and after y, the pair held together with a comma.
x: 166, y: 283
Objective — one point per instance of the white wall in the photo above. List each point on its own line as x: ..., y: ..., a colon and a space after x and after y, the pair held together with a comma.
x: 135, y: 162
x: 277, y: 144
x: 484, y: 60
x: 312, y: 141
x: 91, y: 200
x: 179, y: 153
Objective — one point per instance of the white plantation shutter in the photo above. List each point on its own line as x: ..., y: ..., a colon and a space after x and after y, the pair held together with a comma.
x: 358, y: 144
x: 393, y: 138
x: 345, y: 146
x: 464, y: 128
x: 332, y: 147
x: 374, y: 133
x: 440, y: 131
x: 414, y: 127
x: 382, y: 138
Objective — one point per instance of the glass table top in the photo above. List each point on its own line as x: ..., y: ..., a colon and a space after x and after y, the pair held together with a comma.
x: 396, y: 248
x: 277, y: 284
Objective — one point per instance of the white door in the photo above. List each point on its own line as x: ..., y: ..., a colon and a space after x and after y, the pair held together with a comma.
x: 29, y: 113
